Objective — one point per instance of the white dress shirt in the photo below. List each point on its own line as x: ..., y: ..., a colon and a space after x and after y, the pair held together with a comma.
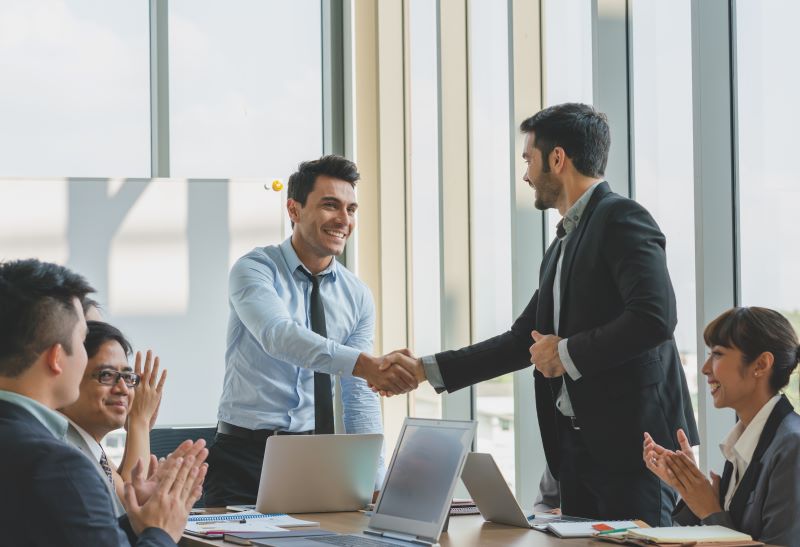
x: 741, y: 442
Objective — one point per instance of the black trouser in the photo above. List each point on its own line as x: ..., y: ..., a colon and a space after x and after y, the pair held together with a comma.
x: 234, y: 470
x: 591, y: 490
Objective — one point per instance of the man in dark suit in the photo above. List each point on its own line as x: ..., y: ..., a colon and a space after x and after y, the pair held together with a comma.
x: 51, y: 493
x: 602, y: 322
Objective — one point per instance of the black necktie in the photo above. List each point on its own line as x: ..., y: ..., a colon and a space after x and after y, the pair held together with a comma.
x: 323, y: 398
x: 560, y: 231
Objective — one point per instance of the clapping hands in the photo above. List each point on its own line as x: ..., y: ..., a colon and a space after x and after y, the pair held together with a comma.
x: 679, y: 470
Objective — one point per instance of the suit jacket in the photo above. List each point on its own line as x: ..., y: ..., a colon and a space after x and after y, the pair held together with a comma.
x: 766, y: 504
x: 76, y: 439
x: 51, y: 495
x: 618, y: 312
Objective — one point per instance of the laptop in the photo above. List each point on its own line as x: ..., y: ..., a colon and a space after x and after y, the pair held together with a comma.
x: 318, y: 473
x: 490, y: 492
x: 415, y: 499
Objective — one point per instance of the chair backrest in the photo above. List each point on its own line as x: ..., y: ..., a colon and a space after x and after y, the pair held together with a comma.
x: 164, y: 440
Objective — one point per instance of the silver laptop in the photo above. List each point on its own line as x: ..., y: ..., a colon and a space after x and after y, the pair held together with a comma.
x: 489, y: 491
x: 416, y: 494
x: 491, y: 494
x: 318, y: 473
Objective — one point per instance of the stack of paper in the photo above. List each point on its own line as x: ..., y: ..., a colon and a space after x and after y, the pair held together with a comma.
x: 246, y: 521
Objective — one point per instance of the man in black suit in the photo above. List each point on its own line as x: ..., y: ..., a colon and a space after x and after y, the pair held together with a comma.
x: 51, y: 494
x: 602, y: 322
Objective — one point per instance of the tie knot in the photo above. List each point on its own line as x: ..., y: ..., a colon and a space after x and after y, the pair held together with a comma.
x: 315, y: 279
x: 560, y: 231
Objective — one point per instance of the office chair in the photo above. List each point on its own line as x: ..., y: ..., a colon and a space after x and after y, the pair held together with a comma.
x: 164, y: 440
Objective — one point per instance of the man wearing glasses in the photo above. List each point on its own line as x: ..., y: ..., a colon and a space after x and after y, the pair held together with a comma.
x: 107, y: 403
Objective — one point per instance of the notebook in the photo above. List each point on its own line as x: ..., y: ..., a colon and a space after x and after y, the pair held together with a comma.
x: 247, y: 521
x: 589, y: 528
x: 685, y: 534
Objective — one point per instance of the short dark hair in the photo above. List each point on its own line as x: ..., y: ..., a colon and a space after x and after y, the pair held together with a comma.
x: 753, y: 331
x: 99, y: 333
x: 301, y: 182
x: 36, y: 311
x: 89, y: 303
x: 579, y: 129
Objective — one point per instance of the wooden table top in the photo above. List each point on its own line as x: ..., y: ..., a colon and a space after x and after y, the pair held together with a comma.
x: 464, y: 531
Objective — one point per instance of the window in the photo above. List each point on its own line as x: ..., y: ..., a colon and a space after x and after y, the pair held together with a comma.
x: 663, y: 154
x: 769, y: 184
x: 75, y: 98
x: 245, y: 87
x: 490, y: 205
x: 425, y: 194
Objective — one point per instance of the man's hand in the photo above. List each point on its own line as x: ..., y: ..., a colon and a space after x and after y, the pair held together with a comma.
x: 179, y: 487
x: 389, y: 379
x: 401, y: 358
x: 544, y: 355
x: 147, y: 398
x: 144, y: 488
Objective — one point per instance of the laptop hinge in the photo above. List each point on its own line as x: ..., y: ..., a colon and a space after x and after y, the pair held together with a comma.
x: 402, y: 537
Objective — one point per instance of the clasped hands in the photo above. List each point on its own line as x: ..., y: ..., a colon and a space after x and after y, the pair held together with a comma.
x: 679, y: 470
x: 544, y: 354
x: 394, y: 373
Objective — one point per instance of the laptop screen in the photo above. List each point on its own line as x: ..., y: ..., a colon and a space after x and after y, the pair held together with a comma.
x: 425, y: 467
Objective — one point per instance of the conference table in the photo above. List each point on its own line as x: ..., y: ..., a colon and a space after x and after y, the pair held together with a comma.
x: 463, y: 531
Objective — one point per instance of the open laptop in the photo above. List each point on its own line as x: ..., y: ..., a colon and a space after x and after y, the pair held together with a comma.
x: 415, y: 499
x: 491, y: 494
x: 318, y: 473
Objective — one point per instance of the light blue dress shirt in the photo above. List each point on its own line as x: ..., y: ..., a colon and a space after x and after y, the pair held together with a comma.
x: 55, y: 422
x: 272, y: 353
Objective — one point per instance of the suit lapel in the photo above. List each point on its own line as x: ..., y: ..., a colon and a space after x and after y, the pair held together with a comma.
x: 573, y: 241
x: 751, y: 475
x: 725, y: 481
x: 544, y: 313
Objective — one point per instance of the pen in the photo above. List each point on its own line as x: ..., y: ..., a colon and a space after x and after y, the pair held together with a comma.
x: 210, y: 522
x: 615, y: 530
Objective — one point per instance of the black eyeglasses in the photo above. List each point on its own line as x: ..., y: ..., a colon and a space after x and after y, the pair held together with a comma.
x: 111, y: 377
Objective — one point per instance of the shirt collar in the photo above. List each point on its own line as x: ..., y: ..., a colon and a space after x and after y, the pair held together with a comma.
x: 91, y: 442
x: 52, y: 420
x: 741, y: 442
x: 574, y: 213
x: 293, y: 261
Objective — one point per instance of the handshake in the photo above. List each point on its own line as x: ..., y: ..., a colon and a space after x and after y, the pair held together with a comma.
x: 394, y: 373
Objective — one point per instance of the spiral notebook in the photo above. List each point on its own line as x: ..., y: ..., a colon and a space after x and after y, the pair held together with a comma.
x: 246, y: 521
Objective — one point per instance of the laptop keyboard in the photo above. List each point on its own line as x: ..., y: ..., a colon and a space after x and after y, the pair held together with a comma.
x: 353, y: 541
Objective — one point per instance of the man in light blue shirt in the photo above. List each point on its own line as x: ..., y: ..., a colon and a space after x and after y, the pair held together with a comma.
x: 298, y: 318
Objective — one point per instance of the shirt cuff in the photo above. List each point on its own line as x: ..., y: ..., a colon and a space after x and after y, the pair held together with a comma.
x: 343, y: 362
x: 432, y: 372
x: 566, y: 360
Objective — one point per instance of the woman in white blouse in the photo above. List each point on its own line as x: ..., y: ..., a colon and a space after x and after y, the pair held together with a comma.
x: 753, y: 351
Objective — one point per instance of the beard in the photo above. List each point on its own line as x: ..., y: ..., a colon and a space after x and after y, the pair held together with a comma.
x: 547, y: 193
